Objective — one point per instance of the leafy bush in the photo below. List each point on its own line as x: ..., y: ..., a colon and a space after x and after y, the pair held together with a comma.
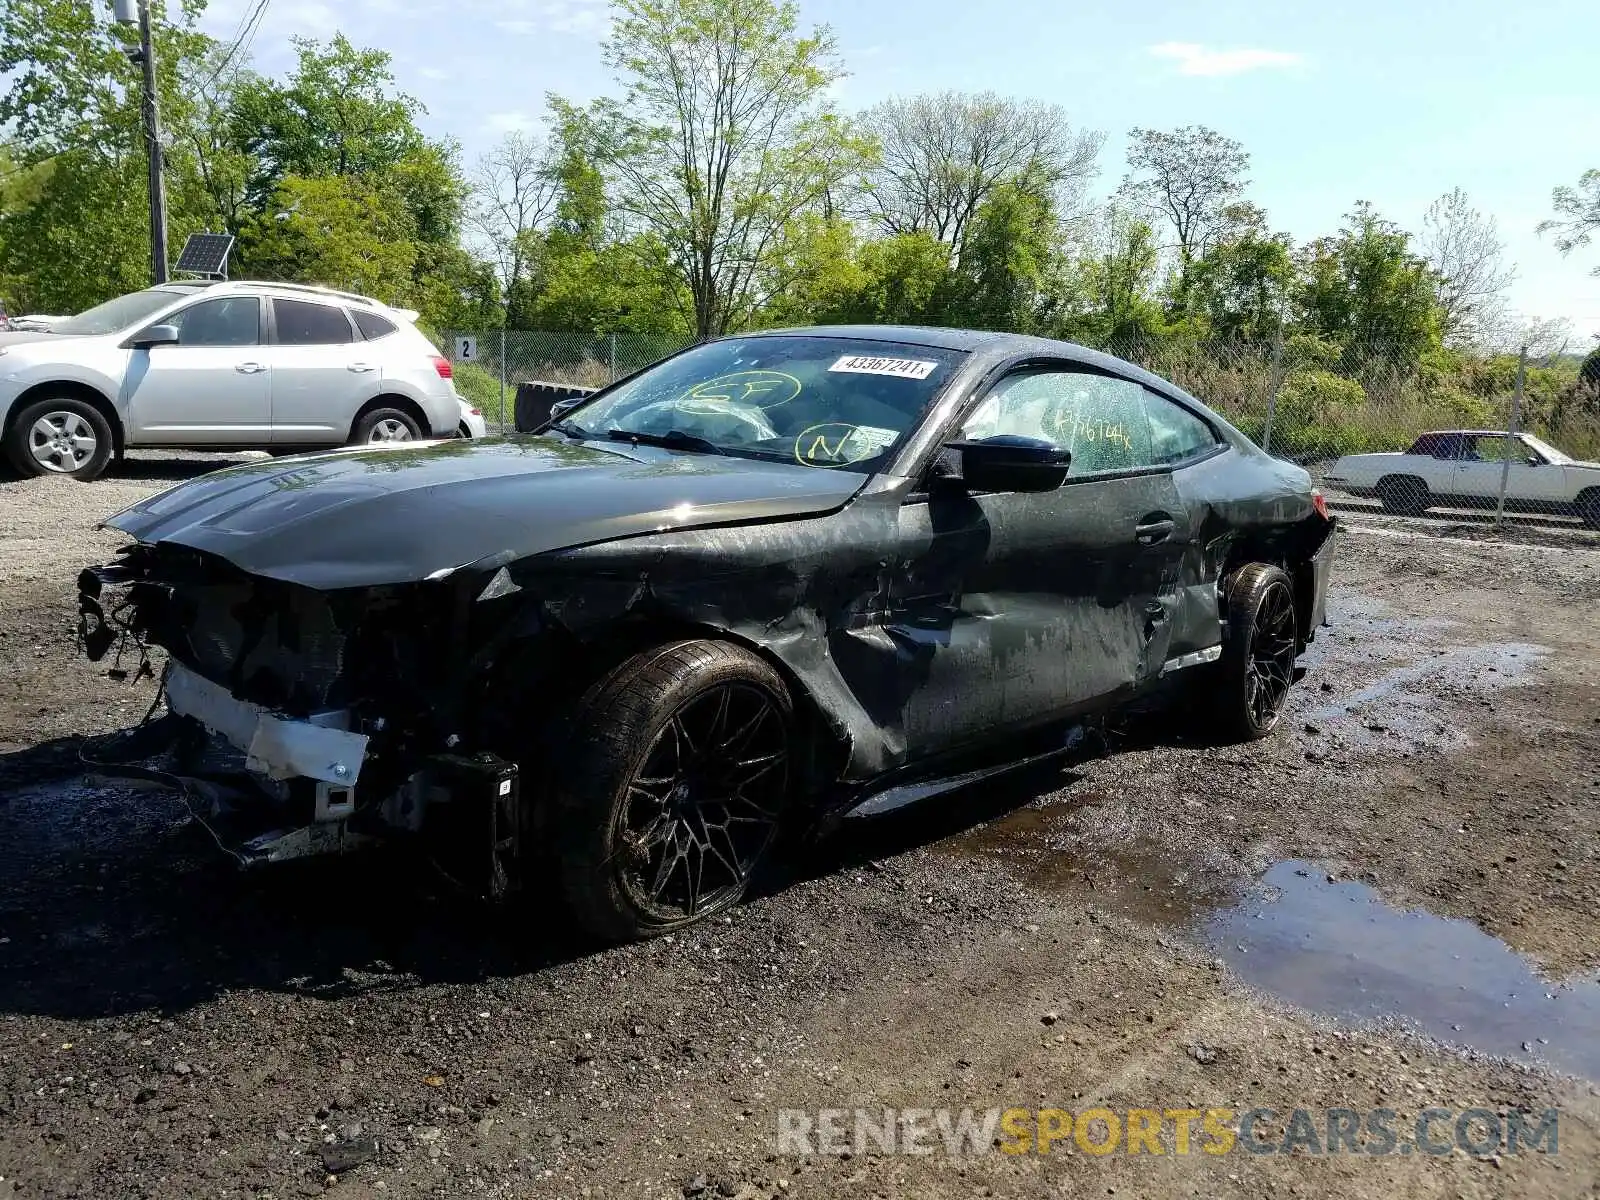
x: 479, y: 389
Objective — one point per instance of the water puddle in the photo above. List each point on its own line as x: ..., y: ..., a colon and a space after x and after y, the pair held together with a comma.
x: 1336, y: 948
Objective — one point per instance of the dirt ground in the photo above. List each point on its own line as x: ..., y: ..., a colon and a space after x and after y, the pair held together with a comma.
x: 1391, y: 903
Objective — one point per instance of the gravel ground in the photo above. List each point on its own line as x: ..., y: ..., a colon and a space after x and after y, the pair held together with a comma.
x: 1093, y: 935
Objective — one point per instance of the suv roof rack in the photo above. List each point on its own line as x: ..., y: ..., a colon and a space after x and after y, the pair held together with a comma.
x: 313, y: 288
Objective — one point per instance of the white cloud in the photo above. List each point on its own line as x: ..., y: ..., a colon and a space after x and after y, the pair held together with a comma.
x: 433, y: 73
x: 519, y: 27
x: 1194, y: 59
x: 509, y: 122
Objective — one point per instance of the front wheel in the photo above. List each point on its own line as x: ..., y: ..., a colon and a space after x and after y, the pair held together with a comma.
x: 66, y: 436
x: 1259, y: 648
x: 676, y: 778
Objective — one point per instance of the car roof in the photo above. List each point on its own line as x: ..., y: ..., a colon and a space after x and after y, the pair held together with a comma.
x: 1466, y: 433
x: 309, y: 290
x: 991, y: 344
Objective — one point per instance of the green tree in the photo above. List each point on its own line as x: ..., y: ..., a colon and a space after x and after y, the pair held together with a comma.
x: 337, y: 113
x: 70, y: 106
x: 721, y: 139
x: 941, y: 156
x: 1107, y: 295
x: 1005, y: 266
x: 1239, y: 291
x: 1578, y: 212
x: 342, y: 231
x: 1187, y: 177
x: 1367, y: 290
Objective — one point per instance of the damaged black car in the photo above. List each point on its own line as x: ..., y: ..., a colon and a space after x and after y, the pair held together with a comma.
x: 770, y: 581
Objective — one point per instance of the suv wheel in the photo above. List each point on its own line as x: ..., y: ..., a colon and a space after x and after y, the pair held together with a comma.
x: 385, y: 425
x: 64, y: 436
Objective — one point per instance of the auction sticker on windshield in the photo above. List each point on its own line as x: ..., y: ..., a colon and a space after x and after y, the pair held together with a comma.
x: 904, y: 368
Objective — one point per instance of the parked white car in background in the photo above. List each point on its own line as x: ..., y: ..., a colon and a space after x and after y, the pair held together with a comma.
x: 1462, y: 468
x: 222, y: 366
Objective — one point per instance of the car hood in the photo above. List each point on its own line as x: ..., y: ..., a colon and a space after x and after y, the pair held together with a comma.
x: 361, y: 518
x: 16, y: 337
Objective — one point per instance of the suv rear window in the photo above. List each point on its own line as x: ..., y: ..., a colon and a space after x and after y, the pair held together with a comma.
x: 302, y: 324
x: 372, y: 326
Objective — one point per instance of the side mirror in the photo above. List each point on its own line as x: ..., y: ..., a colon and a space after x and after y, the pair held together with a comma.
x: 1012, y: 464
x: 156, y: 335
x: 1535, y: 461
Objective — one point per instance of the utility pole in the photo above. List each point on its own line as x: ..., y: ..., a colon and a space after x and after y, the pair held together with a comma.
x: 145, y: 56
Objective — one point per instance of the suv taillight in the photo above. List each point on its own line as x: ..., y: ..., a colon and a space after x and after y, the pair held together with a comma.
x: 442, y: 365
x: 1319, y: 502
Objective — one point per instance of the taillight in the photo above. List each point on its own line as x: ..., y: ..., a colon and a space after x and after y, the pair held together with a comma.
x: 477, y: 412
x: 1320, y: 503
x: 442, y: 365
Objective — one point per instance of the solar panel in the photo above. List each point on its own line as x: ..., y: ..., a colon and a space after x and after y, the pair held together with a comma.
x: 206, y: 254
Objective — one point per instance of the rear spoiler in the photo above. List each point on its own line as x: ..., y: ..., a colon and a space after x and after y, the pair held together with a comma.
x: 537, y: 399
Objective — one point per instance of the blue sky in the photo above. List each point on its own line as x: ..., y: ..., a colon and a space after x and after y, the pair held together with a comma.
x: 1391, y: 102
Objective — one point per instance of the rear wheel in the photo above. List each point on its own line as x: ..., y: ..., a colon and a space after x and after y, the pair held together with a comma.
x: 1259, y: 648
x: 385, y: 425
x: 64, y: 436
x: 1589, y: 507
x: 677, y: 775
x: 1404, y: 495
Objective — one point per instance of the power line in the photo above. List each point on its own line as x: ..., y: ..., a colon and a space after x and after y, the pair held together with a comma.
x: 243, y: 37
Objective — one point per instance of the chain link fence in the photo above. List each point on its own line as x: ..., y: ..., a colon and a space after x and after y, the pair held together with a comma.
x: 1322, y: 405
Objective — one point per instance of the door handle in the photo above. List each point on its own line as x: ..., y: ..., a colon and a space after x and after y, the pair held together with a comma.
x: 359, y: 368
x: 1154, y: 529
x: 249, y: 368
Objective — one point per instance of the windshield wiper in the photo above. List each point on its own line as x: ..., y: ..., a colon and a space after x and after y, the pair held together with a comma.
x: 673, y: 439
x: 568, y: 428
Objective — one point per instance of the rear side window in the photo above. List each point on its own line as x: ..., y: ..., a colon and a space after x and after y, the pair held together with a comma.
x: 1176, y: 434
x: 302, y: 324
x: 372, y: 326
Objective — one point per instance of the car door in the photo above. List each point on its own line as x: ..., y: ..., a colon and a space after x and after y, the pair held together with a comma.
x: 322, y: 373
x: 1487, y: 460
x: 1014, y: 609
x: 211, y: 387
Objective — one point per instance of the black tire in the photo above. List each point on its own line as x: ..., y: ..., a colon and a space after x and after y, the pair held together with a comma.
x: 385, y: 425
x: 673, y: 783
x: 60, y: 436
x: 1589, y: 507
x: 1259, y: 648
x: 1404, y: 495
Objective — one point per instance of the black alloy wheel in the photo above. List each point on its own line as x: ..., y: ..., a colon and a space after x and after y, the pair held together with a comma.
x: 705, y: 804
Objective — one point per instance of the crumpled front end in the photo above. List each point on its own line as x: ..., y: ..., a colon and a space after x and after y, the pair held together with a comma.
x: 339, y: 715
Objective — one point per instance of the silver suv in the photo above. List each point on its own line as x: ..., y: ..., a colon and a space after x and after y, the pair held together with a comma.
x: 222, y: 366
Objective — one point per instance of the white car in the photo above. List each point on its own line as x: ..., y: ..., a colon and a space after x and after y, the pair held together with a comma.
x: 220, y: 366
x: 473, y: 424
x: 1462, y: 468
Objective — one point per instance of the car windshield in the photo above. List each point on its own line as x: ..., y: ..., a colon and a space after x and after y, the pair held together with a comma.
x: 817, y: 401
x: 116, y: 315
x: 1550, y: 453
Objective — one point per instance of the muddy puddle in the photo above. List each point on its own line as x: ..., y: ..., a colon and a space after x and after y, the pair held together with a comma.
x: 1325, y: 944
x: 1335, y: 947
